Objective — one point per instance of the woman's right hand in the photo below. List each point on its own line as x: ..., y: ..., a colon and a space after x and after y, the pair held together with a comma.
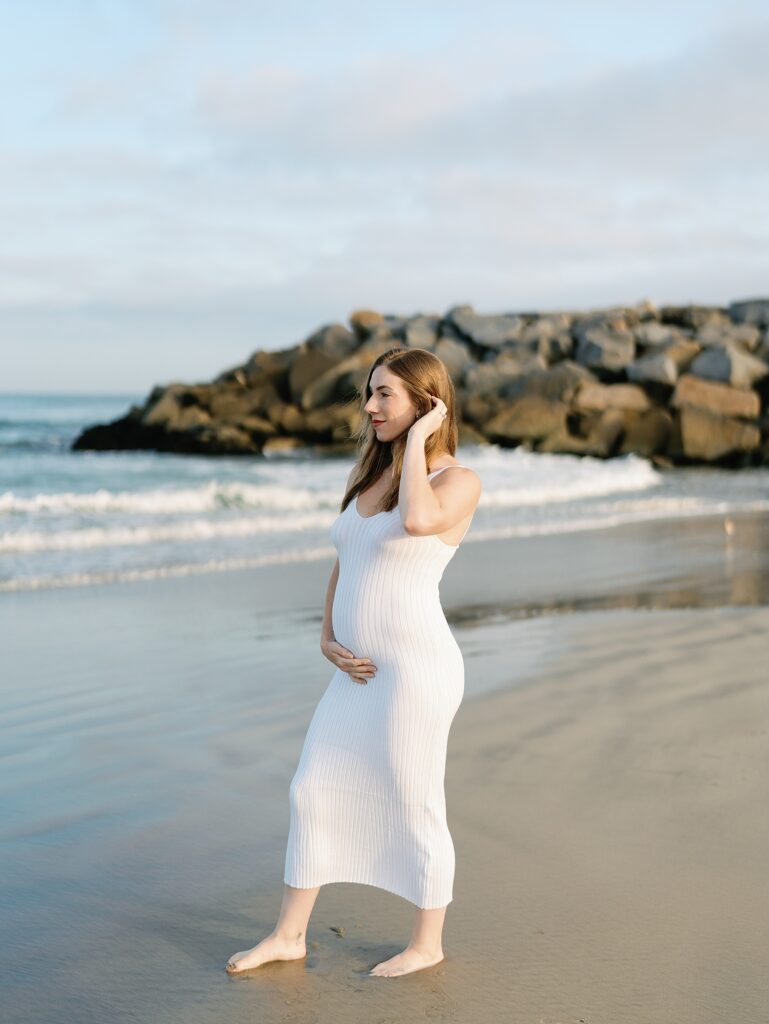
x: 359, y: 669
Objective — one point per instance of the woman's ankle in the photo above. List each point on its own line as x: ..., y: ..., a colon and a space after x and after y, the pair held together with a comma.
x: 291, y: 936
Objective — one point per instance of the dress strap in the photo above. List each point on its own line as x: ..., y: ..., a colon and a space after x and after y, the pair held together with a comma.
x: 436, y: 471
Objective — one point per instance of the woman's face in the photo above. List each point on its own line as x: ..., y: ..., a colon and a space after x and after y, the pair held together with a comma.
x: 390, y: 407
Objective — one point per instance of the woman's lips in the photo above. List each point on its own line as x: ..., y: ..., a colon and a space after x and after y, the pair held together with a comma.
x: 377, y: 422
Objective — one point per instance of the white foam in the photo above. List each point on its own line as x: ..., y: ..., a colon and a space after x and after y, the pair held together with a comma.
x: 516, y: 480
x: 673, y: 509
x: 184, y: 530
x: 210, y: 497
x: 161, y: 572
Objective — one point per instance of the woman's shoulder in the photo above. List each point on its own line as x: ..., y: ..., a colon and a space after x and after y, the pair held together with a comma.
x: 466, y: 478
x: 465, y: 470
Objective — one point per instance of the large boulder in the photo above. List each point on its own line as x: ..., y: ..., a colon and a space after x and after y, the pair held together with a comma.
x: 655, y: 368
x: 490, y: 378
x: 746, y: 336
x: 333, y: 340
x: 480, y: 408
x: 683, y: 353
x: 176, y: 407
x: 598, y: 435
x: 486, y: 331
x: 551, y: 325
x: 599, y: 397
x: 605, y: 353
x: 310, y: 364
x: 714, y: 397
x: 529, y: 418
x: 518, y: 359
x: 652, y: 335
x: 646, y: 433
x: 455, y: 355
x: 342, y: 382
x: 710, y: 438
x: 365, y: 321
x: 271, y: 366
x: 560, y: 382
x: 422, y: 332
x: 730, y: 366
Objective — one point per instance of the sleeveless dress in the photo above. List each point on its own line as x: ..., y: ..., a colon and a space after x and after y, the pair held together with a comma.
x: 367, y: 800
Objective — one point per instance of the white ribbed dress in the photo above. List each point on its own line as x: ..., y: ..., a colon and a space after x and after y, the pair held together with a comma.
x: 367, y: 800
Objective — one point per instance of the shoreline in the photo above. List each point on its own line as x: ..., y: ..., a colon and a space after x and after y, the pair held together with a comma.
x: 678, y: 562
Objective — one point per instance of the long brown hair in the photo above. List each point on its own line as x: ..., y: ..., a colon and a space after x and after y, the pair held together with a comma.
x: 423, y: 374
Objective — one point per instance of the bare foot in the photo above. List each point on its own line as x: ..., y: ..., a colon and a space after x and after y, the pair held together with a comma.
x: 407, y: 962
x: 271, y: 948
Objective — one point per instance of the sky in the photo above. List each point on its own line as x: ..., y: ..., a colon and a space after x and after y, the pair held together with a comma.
x: 183, y: 182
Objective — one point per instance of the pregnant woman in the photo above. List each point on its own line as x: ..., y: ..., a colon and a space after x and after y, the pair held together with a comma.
x: 367, y: 800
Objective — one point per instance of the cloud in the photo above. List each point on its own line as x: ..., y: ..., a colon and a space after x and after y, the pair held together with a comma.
x: 205, y: 176
x: 695, y: 113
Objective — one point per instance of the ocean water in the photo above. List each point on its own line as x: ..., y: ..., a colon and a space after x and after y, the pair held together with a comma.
x: 80, y: 518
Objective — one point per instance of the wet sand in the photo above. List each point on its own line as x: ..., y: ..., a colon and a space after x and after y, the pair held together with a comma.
x: 607, y: 787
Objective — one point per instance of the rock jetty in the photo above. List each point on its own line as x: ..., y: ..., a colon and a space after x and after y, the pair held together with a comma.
x: 676, y: 384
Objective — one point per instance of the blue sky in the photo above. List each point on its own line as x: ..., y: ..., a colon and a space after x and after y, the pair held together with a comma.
x: 182, y: 183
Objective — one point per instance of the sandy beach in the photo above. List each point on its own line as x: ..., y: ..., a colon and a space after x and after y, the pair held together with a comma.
x: 606, y: 784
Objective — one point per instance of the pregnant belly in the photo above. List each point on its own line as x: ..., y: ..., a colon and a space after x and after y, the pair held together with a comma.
x: 394, y: 631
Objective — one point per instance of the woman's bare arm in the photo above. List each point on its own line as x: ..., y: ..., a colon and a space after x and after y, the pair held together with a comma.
x: 327, y: 631
x: 359, y: 669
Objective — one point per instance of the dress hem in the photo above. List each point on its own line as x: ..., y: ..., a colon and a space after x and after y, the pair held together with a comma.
x: 374, y: 885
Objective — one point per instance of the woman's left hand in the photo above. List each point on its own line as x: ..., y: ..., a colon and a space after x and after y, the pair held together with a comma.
x: 429, y: 423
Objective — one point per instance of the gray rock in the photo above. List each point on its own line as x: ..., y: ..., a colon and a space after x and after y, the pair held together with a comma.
x: 542, y: 327
x: 616, y: 320
x: 744, y: 336
x: 654, y: 368
x: 456, y: 356
x: 652, y: 334
x: 489, y: 378
x: 750, y: 311
x: 333, y: 340
x: 422, y: 332
x: 560, y: 382
x: 519, y: 359
x: 605, y: 353
x: 730, y: 366
x: 488, y: 331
